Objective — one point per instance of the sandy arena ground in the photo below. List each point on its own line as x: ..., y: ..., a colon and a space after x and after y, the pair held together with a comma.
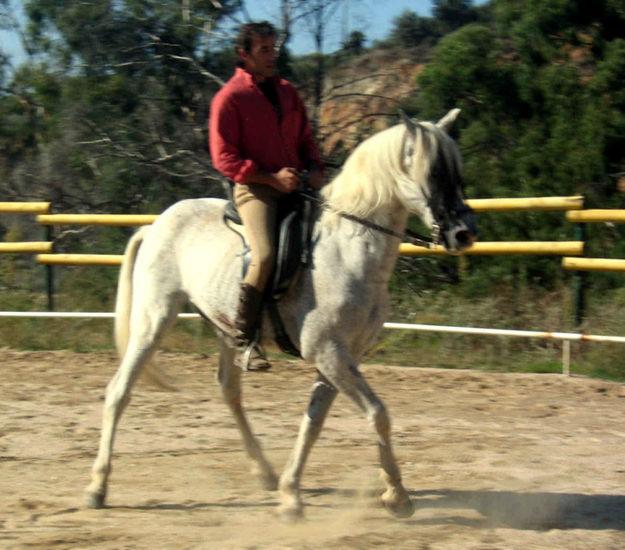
x: 491, y: 460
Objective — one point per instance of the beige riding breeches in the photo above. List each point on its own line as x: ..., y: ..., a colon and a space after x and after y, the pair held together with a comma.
x: 257, y: 206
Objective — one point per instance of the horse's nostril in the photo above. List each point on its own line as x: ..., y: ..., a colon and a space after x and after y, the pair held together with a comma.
x: 464, y: 239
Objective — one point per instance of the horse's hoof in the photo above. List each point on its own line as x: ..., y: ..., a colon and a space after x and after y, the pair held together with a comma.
x: 269, y: 481
x: 291, y: 513
x: 267, y: 477
x: 401, y: 507
x: 95, y: 500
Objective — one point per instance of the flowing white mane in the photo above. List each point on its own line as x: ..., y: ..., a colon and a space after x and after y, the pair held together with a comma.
x: 370, y: 177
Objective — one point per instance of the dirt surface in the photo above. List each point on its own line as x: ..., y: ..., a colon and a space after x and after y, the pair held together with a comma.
x: 490, y: 460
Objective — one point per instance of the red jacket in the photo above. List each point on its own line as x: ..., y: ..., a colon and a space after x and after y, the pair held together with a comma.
x: 245, y: 134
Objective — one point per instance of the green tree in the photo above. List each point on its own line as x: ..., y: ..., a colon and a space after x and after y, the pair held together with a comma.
x: 410, y: 30
x: 542, y: 99
x: 354, y: 44
x: 453, y: 14
x: 133, y: 80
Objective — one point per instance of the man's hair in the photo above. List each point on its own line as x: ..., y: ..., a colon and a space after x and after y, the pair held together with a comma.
x: 244, y: 39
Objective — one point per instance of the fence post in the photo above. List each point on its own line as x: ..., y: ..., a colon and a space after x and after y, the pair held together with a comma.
x: 579, y: 285
x: 50, y: 271
x: 566, y: 357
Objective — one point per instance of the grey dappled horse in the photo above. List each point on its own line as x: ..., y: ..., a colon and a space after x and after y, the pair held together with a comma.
x: 333, y: 311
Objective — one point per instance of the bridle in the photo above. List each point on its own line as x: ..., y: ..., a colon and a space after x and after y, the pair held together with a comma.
x: 408, y: 235
x: 441, y: 202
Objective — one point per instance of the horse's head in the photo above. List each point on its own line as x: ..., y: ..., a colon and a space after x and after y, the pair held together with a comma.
x: 433, y: 186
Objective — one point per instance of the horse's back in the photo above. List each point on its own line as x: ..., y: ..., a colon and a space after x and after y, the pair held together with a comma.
x: 200, y: 253
x: 188, y: 213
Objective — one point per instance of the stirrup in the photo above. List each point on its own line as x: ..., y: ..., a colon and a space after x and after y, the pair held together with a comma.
x: 244, y: 359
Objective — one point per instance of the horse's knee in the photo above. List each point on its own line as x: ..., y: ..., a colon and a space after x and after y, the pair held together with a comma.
x: 380, y: 419
x: 117, y: 397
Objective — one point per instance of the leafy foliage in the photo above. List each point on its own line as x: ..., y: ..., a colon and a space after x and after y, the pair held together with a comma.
x: 116, y: 113
x: 542, y: 100
x: 411, y: 30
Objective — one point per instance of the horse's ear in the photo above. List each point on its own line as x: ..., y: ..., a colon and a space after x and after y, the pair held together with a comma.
x: 408, y: 122
x: 446, y: 122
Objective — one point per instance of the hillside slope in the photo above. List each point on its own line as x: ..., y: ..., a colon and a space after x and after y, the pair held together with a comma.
x: 362, y: 95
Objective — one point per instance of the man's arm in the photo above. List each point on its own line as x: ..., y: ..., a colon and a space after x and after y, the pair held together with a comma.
x: 224, y: 141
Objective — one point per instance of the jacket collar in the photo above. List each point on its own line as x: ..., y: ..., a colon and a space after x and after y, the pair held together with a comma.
x: 248, y: 78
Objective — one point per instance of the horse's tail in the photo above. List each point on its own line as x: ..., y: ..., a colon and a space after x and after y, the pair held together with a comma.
x: 123, y: 302
x: 123, y: 309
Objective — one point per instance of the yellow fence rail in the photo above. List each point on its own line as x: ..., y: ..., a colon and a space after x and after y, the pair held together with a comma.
x: 31, y: 247
x: 534, y: 204
x: 24, y: 207
x: 596, y: 216
x: 571, y: 204
x: 80, y: 259
x: 485, y: 249
x: 593, y: 264
x: 558, y: 248
x: 120, y: 220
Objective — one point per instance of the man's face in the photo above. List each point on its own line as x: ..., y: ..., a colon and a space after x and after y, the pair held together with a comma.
x: 261, y: 59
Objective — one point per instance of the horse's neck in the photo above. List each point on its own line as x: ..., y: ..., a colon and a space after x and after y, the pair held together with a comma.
x: 369, y: 252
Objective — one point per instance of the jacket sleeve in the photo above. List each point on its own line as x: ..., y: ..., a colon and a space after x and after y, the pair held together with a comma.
x: 224, y: 141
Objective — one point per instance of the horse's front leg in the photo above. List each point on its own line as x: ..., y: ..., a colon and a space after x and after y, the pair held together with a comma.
x: 229, y: 377
x: 349, y: 380
x: 321, y: 399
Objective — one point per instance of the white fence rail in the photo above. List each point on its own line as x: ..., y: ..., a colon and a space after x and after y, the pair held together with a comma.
x: 565, y: 337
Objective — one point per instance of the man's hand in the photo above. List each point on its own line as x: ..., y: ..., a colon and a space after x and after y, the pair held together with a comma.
x: 286, y: 180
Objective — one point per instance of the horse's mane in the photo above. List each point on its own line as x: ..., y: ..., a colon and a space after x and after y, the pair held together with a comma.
x: 368, y: 180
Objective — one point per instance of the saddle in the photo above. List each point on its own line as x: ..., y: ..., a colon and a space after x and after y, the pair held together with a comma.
x: 294, y: 250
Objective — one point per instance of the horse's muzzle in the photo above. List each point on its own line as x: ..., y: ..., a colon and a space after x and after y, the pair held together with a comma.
x: 461, y: 235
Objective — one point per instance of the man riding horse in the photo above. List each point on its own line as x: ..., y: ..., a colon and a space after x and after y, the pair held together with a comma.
x: 261, y: 139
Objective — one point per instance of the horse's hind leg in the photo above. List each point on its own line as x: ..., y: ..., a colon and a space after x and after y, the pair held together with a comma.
x: 321, y: 399
x: 145, y: 332
x: 230, y: 381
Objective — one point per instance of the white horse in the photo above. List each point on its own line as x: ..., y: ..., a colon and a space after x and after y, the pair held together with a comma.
x: 333, y: 311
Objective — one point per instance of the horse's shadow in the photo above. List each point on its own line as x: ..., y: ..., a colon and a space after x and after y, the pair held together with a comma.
x: 521, y: 510
x: 509, y: 509
x: 538, y: 511
x: 191, y: 506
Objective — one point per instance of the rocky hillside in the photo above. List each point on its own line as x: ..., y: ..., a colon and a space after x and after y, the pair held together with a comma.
x: 362, y: 95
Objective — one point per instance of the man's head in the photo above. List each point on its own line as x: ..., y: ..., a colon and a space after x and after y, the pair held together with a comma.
x: 256, y: 48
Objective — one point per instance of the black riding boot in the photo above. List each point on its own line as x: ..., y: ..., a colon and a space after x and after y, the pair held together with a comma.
x: 250, y: 355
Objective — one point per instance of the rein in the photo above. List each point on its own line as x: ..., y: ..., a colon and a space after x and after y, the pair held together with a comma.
x: 408, y: 235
